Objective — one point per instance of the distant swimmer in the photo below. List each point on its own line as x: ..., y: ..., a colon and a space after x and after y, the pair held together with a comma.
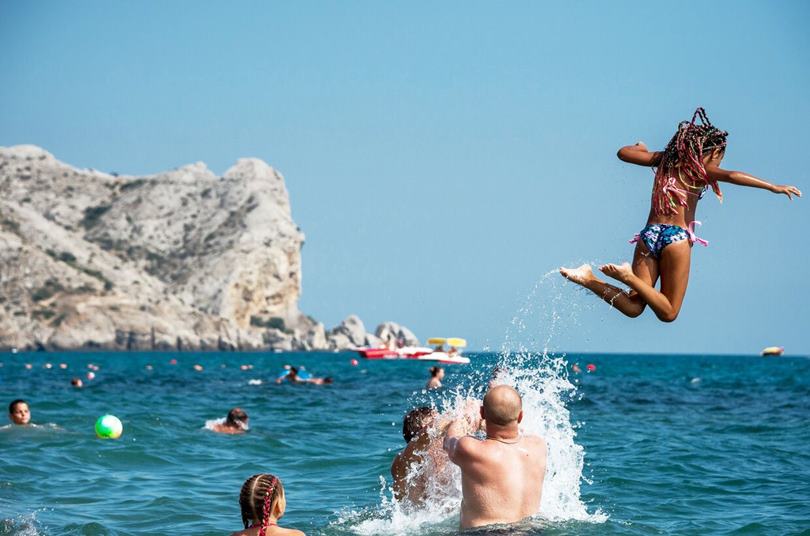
x: 436, y: 377
x: 294, y: 375
x: 263, y: 503
x: 19, y: 413
x: 502, y: 475
x: 684, y: 170
x: 235, y: 423
x: 422, y: 460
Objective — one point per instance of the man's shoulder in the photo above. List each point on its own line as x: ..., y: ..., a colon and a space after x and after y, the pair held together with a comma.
x: 410, y: 453
x: 469, y: 444
x: 536, y: 443
x: 398, y: 463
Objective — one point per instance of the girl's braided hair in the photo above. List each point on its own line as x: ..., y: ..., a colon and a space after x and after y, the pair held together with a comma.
x: 260, y: 493
x: 681, y: 168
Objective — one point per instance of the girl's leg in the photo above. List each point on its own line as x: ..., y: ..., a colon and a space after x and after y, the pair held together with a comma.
x: 630, y: 303
x: 674, y: 268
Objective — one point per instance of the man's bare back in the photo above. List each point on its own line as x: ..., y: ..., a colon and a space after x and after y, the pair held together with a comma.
x: 501, y: 476
x: 501, y: 482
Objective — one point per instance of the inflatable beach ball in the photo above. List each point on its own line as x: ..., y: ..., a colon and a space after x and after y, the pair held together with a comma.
x: 109, y: 427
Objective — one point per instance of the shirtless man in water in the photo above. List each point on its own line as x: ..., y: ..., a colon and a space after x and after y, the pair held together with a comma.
x: 408, y: 469
x: 502, y: 475
x: 235, y: 423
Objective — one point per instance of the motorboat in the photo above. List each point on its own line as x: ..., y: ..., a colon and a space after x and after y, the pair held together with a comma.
x: 773, y: 351
x: 435, y: 352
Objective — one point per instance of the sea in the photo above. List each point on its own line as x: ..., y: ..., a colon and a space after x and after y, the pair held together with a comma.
x: 640, y: 444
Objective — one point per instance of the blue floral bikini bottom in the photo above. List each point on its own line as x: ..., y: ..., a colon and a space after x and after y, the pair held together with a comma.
x: 657, y: 236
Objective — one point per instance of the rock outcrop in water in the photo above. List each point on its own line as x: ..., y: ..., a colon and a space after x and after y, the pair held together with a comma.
x: 182, y: 259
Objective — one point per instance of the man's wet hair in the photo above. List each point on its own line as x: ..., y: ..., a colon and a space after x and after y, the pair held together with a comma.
x: 415, y: 421
x: 434, y: 371
x: 236, y: 416
x: 14, y: 404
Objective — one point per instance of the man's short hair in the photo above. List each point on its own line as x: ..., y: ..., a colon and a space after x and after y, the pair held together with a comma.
x: 502, y: 405
x: 14, y: 404
x: 415, y: 421
x: 237, y: 415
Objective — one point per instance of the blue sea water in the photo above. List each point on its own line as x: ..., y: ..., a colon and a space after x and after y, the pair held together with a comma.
x: 646, y: 444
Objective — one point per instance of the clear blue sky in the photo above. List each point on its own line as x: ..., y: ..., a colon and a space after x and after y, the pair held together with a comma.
x: 441, y: 157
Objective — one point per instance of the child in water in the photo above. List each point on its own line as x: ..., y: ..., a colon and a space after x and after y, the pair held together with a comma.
x: 263, y: 503
x: 688, y: 166
x: 19, y: 413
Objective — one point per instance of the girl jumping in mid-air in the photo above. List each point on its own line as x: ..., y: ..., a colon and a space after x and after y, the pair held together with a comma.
x: 684, y: 171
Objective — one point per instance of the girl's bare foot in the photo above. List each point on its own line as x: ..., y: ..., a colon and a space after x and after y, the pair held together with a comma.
x: 620, y: 272
x: 581, y: 275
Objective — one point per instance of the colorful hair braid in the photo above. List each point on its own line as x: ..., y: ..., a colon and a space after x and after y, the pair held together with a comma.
x: 268, y: 500
x: 681, y: 169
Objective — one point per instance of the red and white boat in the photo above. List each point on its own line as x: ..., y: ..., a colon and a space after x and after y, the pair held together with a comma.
x: 422, y: 353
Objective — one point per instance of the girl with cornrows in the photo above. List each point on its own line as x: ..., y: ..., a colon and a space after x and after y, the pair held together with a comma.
x: 263, y: 503
x: 688, y: 167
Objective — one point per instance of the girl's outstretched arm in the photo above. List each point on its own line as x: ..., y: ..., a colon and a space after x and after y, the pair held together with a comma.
x: 744, y: 179
x: 639, y: 154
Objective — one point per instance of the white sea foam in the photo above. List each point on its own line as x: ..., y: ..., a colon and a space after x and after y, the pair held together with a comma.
x: 210, y: 424
x: 542, y: 380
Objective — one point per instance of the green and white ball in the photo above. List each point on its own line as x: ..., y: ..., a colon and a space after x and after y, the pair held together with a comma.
x: 109, y: 427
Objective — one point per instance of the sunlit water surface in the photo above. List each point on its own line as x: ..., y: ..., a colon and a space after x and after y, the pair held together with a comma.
x: 643, y: 445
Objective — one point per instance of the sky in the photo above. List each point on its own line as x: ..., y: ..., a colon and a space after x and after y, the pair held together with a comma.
x: 443, y: 158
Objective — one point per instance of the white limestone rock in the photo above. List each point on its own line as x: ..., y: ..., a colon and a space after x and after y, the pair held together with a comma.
x: 391, y: 332
x: 179, y: 259
x: 351, y: 333
x: 182, y: 259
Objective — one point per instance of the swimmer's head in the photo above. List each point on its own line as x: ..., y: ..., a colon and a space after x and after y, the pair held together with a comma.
x: 261, y: 498
x: 19, y: 412
x: 415, y: 421
x: 502, y: 406
x: 237, y: 418
x: 437, y: 372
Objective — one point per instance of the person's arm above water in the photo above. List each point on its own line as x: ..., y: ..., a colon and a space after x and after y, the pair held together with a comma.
x: 457, y: 444
x: 639, y: 154
x: 744, y: 179
x: 399, y: 472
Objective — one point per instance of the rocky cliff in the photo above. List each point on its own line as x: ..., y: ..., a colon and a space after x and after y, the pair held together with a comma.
x: 182, y: 259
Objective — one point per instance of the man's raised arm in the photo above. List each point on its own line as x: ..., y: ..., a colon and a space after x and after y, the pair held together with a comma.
x: 468, y: 422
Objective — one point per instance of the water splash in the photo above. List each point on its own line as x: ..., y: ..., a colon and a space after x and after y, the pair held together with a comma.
x: 21, y: 525
x: 542, y: 379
